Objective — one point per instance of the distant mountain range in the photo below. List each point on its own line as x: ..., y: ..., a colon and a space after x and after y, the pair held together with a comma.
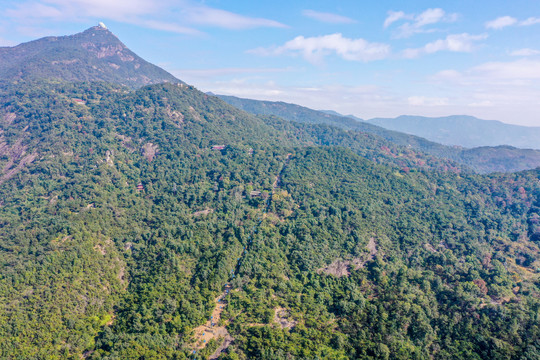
x: 483, y: 159
x: 98, y: 55
x: 93, y: 55
x: 462, y: 130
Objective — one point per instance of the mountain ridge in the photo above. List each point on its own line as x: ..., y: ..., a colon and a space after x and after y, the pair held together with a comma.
x: 127, y: 215
x: 505, y: 159
x: 95, y: 54
x: 464, y: 130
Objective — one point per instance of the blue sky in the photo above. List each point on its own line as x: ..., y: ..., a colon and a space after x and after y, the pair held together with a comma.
x: 370, y: 59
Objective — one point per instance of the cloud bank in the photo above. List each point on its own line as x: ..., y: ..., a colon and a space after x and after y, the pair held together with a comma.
x: 314, y: 49
x: 454, y: 43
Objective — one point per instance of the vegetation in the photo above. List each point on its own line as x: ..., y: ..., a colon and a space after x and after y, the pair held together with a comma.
x: 480, y: 159
x: 120, y: 224
x: 93, y: 55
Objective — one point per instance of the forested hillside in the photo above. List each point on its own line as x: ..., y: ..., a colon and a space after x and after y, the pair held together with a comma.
x: 481, y: 159
x: 124, y: 213
x: 92, y: 55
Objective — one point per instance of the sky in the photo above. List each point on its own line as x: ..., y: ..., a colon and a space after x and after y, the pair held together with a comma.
x: 365, y: 58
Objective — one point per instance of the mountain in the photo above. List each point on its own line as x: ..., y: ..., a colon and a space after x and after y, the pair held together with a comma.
x: 332, y: 112
x: 93, y: 55
x: 483, y: 160
x: 163, y: 223
x: 462, y: 130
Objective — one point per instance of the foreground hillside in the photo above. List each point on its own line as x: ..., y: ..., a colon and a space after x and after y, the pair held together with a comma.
x: 481, y: 159
x: 125, y: 214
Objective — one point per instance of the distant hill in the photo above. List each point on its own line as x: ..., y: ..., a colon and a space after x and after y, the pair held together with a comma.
x: 463, y: 130
x: 93, y: 55
x: 483, y: 159
x: 332, y: 112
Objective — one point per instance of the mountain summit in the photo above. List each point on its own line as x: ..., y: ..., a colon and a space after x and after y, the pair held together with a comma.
x: 93, y: 55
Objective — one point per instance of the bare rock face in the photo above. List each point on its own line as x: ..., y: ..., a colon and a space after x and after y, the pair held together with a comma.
x: 149, y: 151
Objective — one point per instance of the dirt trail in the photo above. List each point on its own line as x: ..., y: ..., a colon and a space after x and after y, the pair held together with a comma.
x: 210, y: 330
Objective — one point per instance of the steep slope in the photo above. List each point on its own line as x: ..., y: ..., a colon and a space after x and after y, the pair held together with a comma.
x: 93, y: 55
x: 119, y: 234
x: 482, y: 160
x: 125, y: 215
x: 462, y: 130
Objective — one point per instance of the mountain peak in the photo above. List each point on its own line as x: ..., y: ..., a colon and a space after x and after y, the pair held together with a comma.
x: 95, y: 54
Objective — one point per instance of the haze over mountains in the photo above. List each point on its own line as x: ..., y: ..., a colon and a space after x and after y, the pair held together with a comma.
x: 482, y: 159
x: 160, y: 222
x: 466, y: 131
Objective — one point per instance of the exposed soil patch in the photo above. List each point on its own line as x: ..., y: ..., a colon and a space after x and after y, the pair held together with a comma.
x: 283, y: 318
x: 204, y: 333
x: 226, y: 343
x: 9, y: 118
x: 175, y: 116
x: 337, y: 268
x: 203, y: 212
x: 100, y: 248
x: 195, y: 114
x: 149, y: 151
x: 340, y: 267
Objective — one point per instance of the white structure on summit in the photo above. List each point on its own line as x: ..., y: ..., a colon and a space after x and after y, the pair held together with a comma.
x: 102, y: 25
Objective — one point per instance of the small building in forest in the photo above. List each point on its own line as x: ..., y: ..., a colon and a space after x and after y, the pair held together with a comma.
x: 140, y: 187
x: 218, y: 147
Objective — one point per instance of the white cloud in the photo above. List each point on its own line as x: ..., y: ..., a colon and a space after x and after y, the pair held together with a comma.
x: 228, y: 20
x: 530, y: 21
x: 523, y: 69
x: 482, y: 103
x: 420, y: 21
x: 394, y: 16
x: 524, y: 52
x: 167, y: 15
x: 504, y: 21
x: 363, y: 100
x: 455, y: 43
x: 427, y: 101
x: 314, y: 49
x: 60, y: 9
x: 328, y: 17
x: 4, y: 42
x: 506, y: 91
x: 447, y: 75
x: 471, y: 92
x: 501, y: 22
x: 430, y: 16
x: 166, y: 26
x: 195, y: 75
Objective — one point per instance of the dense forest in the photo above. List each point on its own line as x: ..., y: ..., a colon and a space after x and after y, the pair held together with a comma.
x: 482, y: 159
x: 125, y: 213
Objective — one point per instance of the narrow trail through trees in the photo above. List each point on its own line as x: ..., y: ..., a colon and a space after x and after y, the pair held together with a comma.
x: 210, y: 330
